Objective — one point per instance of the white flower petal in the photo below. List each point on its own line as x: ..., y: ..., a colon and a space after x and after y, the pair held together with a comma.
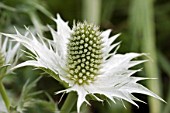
x: 137, y: 88
x: 134, y: 63
x: 113, y: 38
x: 119, y: 62
x: 62, y: 28
x: 81, y: 98
x: 81, y: 95
x: 105, y: 35
x: 112, y: 46
x: 29, y: 63
x: 60, y: 43
x: 114, y: 79
x: 44, y: 55
x: 4, y: 46
x: 107, y: 42
x: 105, y: 39
x: 10, y: 51
x: 136, y: 99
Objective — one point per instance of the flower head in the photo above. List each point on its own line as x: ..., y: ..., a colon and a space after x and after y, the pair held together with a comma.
x: 84, y: 53
x: 82, y: 57
x: 9, y: 55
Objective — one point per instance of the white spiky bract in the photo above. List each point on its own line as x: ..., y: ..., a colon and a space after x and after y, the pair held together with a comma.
x: 9, y: 53
x: 111, y: 77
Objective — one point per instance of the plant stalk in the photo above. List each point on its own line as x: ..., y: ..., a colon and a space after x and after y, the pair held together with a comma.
x: 150, y: 47
x: 92, y: 11
x: 69, y: 103
x: 142, y: 22
x: 4, y: 96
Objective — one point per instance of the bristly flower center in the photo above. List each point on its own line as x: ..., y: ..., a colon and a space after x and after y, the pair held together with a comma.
x: 84, y: 53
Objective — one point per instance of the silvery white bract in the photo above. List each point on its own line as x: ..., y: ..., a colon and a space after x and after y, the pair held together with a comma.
x: 82, y: 57
x: 9, y: 54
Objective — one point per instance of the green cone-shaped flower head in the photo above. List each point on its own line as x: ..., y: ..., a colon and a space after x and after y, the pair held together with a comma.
x: 84, y: 53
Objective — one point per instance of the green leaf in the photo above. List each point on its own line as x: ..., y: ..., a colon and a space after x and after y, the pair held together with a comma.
x: 3, y: 70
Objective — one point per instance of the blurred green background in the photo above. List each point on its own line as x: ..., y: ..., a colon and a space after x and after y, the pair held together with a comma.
x: 145, y: 27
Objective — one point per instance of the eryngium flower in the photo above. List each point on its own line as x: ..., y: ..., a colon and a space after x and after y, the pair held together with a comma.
x: 82, y: 57
x: 9, y: 54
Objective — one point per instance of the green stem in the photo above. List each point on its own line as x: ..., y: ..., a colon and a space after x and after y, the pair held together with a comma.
x: 149, y: 40
x: 69, y: 103
x: 142, y: 22
x: 92, y: 11
x: 4, y: 96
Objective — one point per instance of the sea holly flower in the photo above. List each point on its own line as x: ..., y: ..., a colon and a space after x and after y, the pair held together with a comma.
x: 82, y: 57
x: 9, y: 54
